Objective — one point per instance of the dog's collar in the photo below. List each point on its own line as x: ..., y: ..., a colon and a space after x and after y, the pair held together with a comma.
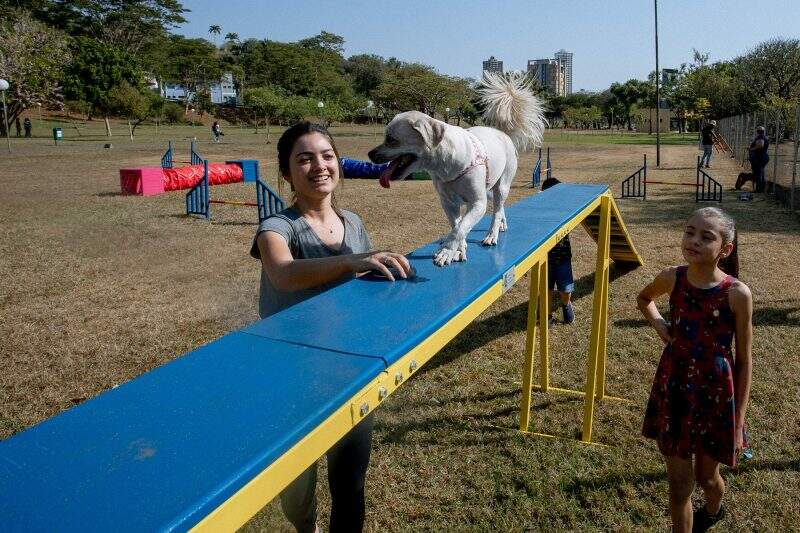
x: 479, y: 156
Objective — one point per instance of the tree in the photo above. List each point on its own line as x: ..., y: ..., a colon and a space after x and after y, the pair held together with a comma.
x: 232, y: 37
x: 214, y: 30
x: 32, y: 58
x: 97, y: 68
x: 193, y: 63
x: 127, y: 24
x: 265, y: 102
x: 628, y: 94
x: 419, y: 87
x: 326, y: 41
x: 366, y: 72
x: 202, y: 102
x: 772, y: 69
x: 127, y: 101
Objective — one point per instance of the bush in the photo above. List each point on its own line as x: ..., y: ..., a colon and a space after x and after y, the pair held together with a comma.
x: 173, y: 113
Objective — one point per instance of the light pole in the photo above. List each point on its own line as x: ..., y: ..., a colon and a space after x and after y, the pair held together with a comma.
x: 321, y: 105
x: 3, y: 88
x: 447, y: 115
x: 658, y: 97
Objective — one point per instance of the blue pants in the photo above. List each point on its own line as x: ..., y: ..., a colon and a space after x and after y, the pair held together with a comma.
x: 707, y: 148
x: 758, y: 172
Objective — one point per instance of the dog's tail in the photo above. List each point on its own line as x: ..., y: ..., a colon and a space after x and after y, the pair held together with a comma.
x: 511, y: 107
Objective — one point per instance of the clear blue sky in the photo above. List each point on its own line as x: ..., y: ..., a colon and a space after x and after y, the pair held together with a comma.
x: 611, y: 40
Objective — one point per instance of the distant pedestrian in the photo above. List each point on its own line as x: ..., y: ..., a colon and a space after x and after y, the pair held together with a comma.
x: 28, y: 126
x: 758, y: 154
x: 216, y: 131
x: 18, y: 127
x: 707, y: 140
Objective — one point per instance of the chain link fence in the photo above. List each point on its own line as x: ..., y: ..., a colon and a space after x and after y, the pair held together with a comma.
x: 781, y: 125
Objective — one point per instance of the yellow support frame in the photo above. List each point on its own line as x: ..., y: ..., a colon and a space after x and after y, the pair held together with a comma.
x: 264, y: 487
x: 596, y: 360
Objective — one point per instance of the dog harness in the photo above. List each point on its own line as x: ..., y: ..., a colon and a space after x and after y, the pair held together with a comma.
x: 479, y: 156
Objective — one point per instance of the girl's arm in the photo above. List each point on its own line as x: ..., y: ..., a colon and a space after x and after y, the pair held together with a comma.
x: 662, y: 284
x: 289, y: 274
x: 741, y: 302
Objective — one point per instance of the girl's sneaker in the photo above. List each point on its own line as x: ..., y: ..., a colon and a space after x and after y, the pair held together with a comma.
x: 569, y: 313
x: 703, y: 520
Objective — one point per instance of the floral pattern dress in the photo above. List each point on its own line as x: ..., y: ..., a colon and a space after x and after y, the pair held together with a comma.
x: 691, y: 407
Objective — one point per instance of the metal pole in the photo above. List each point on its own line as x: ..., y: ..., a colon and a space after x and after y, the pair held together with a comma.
x: 794, y: 161
x: 777, y: 143
x: 5, y: 118
x: 658, y: 96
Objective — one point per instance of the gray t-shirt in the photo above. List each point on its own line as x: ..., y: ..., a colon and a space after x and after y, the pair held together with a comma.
x: 304, y: 244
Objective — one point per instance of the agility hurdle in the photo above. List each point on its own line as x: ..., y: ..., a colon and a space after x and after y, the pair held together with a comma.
x: 167, y: 159
x: 206, y: 440
x: 198, y: 199
x: 707, y: 189
x: 536, y: 177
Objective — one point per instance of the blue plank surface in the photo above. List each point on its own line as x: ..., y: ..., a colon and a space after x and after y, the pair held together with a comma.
x: 386, y: 320
x: 164, y: 450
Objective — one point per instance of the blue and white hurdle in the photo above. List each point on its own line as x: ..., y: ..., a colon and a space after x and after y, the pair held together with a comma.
x: 198, y: 198
x: 536, y: 177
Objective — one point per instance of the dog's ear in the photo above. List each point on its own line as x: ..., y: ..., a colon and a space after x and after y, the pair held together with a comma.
x: 432, y: 131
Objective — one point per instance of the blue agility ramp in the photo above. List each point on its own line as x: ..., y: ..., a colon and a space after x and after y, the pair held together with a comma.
x: 205, y: 441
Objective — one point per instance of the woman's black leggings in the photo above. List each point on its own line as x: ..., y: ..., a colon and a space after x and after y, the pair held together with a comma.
x: 348, y: 460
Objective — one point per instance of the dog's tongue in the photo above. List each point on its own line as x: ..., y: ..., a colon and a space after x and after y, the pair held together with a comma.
x: 386, y: 176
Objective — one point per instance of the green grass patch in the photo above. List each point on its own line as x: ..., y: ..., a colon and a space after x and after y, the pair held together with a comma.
x: 644, y: 139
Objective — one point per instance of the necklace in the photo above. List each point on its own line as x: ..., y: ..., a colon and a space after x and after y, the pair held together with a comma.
x: 320, y: 225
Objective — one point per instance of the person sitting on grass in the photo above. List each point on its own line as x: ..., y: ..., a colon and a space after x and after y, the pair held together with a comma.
x: 700, y: 392
x: 559, y: 271
x: 306, y: 249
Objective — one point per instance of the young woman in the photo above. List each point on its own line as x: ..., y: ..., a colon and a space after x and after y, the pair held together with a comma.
x: 304, y: 250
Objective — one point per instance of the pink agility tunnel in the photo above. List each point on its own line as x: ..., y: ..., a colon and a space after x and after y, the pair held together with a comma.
x: 150, y: 181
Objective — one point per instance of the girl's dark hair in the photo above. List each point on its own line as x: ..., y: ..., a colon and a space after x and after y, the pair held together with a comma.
x: 730, y: 264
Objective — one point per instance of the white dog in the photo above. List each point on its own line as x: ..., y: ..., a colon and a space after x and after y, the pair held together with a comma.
x: 469, y: 167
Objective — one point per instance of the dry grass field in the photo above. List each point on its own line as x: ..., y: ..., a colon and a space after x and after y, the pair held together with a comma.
x: 97, y: 288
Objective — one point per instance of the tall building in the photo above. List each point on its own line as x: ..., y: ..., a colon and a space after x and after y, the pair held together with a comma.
x: 550, y: 75
x: 565, y: 58
x: 493, y: 65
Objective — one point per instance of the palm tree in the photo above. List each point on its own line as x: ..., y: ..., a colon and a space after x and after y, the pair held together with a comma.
x: 215, y: 30
x: 232, y: 36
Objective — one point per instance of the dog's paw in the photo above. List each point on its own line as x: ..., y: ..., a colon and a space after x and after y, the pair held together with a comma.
x: 490, y: 239
x: 445, y: 256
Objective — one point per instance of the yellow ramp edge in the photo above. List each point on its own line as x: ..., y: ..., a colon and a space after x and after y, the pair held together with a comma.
x: 622, y: 248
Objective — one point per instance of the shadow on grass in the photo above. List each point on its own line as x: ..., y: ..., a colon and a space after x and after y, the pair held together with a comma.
x: 774, y: 316
x: 112, y: 193
x: 396, y: 433
x: 514, y: 319
x: 612, y: 481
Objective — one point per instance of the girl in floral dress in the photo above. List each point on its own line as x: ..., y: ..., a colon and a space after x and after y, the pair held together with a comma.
x: 700, y: 392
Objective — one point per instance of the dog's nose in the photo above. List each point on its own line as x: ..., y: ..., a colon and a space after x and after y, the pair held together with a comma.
x: 371, y: 155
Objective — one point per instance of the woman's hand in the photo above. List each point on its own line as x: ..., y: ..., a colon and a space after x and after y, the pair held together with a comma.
x: 381, y: 261
x: 662, y: 328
